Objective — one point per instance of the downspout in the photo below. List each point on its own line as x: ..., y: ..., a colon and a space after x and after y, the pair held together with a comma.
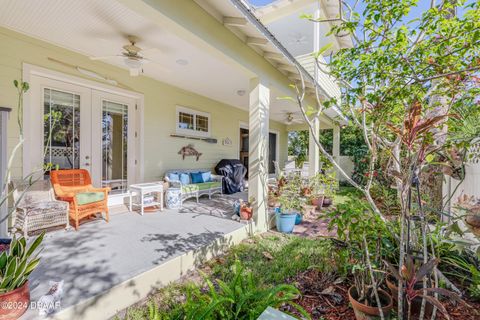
x: 250, y: 16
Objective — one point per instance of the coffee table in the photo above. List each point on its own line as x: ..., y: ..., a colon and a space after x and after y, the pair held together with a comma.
x: 142, y: 190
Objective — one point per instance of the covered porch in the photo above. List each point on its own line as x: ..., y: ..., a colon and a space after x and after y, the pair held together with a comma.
x: 203, y: 84
x: 109, y: 266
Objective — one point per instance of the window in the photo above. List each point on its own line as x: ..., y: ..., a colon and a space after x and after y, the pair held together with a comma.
x: 191, y: 122
x: 61, y: 122
x: 114, y: 146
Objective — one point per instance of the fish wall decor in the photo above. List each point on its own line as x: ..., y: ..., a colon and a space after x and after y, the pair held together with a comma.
x: 189, y: 151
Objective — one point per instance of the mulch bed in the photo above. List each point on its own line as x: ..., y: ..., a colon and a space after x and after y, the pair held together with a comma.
x: 325, y: 297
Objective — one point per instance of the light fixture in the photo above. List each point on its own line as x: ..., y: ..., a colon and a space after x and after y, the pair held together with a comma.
x: 241, y: 93
x: 182, y: 62
x: 133, y: 63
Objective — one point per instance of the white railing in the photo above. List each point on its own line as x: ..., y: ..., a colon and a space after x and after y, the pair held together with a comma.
x: 326, y: 82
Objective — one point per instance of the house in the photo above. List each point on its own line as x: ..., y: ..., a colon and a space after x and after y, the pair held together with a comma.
x: 209, y: 69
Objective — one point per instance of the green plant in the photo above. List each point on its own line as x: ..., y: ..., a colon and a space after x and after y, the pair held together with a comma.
x: 17, y: 263
x: 239, y: 298
x: 365, y: 237
x: 411, y: 278
x: 323, y: 184
x: 474, y: 288
x: 290, y: 198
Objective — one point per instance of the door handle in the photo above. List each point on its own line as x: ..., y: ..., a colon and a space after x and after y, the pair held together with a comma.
x: 87, y: 164
x: 87, y: 157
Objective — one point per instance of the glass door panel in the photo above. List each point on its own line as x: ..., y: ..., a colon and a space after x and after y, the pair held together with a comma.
x: 61, y: 134
x: 115, y: 146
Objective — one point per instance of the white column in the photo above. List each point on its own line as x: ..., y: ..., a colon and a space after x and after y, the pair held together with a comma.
x: 258, y: 151
x: 313, y: 150
x: 336, y: 145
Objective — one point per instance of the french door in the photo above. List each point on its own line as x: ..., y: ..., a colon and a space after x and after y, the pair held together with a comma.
x: 86, y: 128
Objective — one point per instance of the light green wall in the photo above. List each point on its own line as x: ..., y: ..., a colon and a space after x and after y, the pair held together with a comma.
x: 160, y: 150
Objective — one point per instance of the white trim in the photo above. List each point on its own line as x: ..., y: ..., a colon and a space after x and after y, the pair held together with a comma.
x: 29, y: 70
x: 192, y: 132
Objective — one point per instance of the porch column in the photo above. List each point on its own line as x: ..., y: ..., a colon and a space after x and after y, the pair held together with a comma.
x: 313, y: 150
x: 336, y: 145
x: 258, y: 151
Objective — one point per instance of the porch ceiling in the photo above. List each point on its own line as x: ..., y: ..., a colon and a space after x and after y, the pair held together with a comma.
x: 100, y: 28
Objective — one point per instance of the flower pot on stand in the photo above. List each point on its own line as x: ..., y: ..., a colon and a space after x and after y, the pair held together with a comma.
x: 285, y: 221
x: 16, y: 302
x: 364, y: 312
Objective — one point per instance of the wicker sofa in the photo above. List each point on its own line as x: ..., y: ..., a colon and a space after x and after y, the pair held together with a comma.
x: 190, y: 189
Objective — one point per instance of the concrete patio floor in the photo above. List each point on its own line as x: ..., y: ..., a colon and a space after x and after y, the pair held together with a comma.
x: 109, y: 266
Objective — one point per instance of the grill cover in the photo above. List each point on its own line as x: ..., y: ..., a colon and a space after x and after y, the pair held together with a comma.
x: 234, y: 173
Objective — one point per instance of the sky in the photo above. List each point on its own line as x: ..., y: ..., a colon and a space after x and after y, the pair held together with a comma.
x: 422, y: 5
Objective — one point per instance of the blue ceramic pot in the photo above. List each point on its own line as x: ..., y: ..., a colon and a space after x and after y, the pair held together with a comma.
x: 298, y: 219
x: 286, y: 221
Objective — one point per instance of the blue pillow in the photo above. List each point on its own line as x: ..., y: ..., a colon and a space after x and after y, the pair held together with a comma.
x: 197, y: 177
x: 173, y: 176
x: 207, y: 176
x: 184, y: 178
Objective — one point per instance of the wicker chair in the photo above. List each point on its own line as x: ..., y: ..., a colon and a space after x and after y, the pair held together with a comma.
x: 69, y: 185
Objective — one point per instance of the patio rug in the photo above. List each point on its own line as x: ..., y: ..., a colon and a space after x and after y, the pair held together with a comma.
x: 219, y: 206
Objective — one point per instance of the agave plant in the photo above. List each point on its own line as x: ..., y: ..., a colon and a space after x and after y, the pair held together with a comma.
x: 17, y: 263
x: 411, y: 276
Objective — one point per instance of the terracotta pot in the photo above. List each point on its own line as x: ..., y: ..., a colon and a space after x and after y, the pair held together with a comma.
x: 246, y: 213
x: 473, y: 220
x: 416, y: 303
x: 17, y: 302
x: 272, y: 202
x: 364, y: 312
x: 318, y: 201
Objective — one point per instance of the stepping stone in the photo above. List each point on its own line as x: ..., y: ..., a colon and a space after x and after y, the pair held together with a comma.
x: 274, y: 314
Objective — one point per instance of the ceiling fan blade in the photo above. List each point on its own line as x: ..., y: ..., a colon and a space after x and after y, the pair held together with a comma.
x: 105, y: 57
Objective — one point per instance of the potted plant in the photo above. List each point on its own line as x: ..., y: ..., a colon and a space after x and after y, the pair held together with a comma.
x: 246, y: 210
x: 412, y: 277
x: 16, y: 264
x: 322, y: 186
x: 290, y: 204
x: 273, y: 197
x: 358, y: 228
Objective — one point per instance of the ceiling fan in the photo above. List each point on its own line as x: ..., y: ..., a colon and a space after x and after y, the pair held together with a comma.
x: 131, y: 57
x: 291, y: 117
